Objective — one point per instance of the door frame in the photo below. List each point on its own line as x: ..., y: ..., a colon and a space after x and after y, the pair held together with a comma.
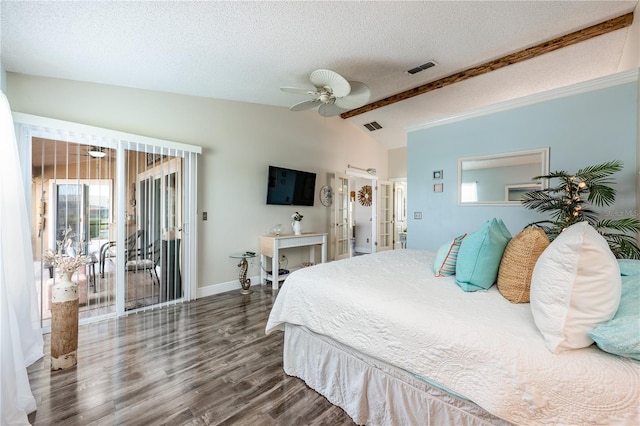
x: 353, y: 175
x: 336, y: 253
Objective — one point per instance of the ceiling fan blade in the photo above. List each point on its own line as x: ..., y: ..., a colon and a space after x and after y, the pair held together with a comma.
x: 301, y: 106
x: 358, y: 97
x: 298, y: 91
x: 330, y: 110
x: 338, y: 84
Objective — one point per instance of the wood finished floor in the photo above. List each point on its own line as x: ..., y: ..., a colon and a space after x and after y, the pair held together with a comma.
x: 206, y: 362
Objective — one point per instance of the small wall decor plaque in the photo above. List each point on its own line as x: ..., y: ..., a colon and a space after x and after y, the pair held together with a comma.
x: 437, y: 174
x: 437, y: 187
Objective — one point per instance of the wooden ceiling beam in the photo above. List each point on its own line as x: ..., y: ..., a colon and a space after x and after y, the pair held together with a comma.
x: 513, y: 58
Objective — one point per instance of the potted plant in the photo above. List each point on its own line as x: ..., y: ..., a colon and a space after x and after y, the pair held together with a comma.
x: 571, y: 200
x: 296, y: 224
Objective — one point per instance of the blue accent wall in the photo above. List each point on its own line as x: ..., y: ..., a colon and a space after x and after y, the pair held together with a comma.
x: 581, y: 130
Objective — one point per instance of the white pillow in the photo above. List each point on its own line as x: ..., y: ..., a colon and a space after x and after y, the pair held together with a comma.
x: 575, y: 286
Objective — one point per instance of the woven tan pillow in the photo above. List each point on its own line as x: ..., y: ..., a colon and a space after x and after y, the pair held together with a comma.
x: 518, y: 260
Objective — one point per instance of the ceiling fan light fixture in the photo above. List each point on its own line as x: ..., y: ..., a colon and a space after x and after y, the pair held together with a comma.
x: 96, y: 153
x: 325, y: 98
x: 334, y: 95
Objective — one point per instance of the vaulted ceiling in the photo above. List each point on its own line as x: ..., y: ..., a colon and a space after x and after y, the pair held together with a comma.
x: 246, y: 51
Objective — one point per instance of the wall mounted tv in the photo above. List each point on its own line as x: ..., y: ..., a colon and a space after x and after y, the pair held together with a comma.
x: 290, y: 187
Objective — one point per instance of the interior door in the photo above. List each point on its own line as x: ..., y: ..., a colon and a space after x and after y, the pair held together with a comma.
x: 400, y: 215
x: 342, y: 218
x: 384, y: 216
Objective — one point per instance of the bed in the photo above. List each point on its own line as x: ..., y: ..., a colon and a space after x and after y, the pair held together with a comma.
x: 390, y: 343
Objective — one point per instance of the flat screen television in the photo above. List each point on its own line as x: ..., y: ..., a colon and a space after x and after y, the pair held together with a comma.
x: 290, y: 187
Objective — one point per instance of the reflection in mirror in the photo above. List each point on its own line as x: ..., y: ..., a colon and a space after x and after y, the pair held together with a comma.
x: 501, y: 178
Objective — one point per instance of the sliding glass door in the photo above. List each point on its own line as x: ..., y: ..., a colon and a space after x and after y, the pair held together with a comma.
x: 127, y: 202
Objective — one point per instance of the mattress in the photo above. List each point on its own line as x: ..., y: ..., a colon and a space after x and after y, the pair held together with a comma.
x: 390, y: 306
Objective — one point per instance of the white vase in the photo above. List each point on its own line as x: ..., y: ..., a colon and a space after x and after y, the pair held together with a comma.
x: 297, y: 227
x: 64, y: 323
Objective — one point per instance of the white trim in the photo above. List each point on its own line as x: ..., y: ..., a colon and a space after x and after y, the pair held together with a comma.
x: 561, y: 92
x: 45, y: 122
x: 544, y: 152
x: 214, y: 289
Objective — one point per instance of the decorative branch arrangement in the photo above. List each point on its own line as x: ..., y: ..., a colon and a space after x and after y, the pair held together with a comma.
x: 569, y: 202
x: 68, y: 255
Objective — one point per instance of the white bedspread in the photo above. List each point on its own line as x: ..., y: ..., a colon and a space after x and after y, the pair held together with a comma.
x: 390, y: 306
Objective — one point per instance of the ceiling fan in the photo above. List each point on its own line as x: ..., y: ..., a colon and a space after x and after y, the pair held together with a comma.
x: 333, y: 94
x: 95, y: 152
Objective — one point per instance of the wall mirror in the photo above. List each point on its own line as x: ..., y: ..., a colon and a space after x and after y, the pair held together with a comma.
x: 501, y: 179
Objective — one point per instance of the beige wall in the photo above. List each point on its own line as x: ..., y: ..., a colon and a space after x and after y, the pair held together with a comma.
x: 398, y: 163
x: 631, y: 52
x: 239, y: 141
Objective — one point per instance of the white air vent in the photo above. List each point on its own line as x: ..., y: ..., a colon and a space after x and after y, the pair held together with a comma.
x: 374, y: 125
x: 423, y: 67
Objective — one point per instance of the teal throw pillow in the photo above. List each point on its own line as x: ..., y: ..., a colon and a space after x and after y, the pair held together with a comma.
x: 444, y: 264
x: 621, y: 334
x: 629, y: 267
x: 480, y: 254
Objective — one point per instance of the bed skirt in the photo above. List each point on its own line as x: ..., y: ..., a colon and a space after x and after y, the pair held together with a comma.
x: 370, y: 391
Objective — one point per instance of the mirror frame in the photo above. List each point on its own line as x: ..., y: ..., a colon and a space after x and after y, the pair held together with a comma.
x: 544, y: 170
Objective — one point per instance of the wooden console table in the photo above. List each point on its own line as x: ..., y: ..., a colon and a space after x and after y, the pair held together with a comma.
x: 271, y: 244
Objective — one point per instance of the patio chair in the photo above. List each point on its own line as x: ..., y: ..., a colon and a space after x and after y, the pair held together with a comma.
x: 107, y: 250
x: 147, y: 259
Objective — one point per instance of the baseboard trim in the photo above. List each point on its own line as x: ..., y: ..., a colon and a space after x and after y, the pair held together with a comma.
x: 213, y: 289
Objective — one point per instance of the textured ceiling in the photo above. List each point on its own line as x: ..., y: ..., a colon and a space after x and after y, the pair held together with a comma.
x: 245, y: 51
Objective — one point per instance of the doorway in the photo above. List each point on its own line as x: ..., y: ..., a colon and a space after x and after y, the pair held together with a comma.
x: 90, y: 186
x: 399, y: 213
x: 363, y: 213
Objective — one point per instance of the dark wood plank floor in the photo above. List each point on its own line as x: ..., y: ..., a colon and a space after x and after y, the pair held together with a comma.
x: 206, y: 362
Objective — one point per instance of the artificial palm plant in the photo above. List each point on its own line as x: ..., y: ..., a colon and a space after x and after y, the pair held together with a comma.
x: 569, y: 202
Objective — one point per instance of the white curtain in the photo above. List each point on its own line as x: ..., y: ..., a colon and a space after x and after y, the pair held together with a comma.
x: 21, y: 338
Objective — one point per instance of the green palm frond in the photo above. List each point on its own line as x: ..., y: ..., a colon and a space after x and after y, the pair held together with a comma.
x: 541, y: 200
x: 623, y: 246
x: 624, y: 225
x: 602, y: 195
x: 600, y: 171
x: 590, y: 216
x: 558, y: 174
x: 568, y: 202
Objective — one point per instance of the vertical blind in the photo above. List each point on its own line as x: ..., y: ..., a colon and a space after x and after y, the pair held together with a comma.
x: 131, y: 200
